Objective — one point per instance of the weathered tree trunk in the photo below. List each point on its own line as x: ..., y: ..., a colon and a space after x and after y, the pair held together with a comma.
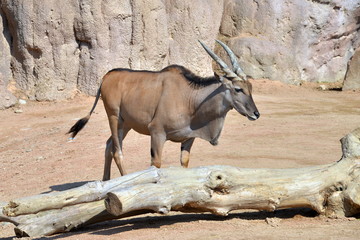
x: 332, y: 190
x: 89, y: 192
x: 221, y: 189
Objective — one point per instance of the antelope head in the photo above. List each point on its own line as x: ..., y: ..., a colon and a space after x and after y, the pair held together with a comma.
x: 235, y: 80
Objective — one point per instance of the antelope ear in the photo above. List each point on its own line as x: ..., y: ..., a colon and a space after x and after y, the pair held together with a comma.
x: 222, y: 79
x: 218, y: 77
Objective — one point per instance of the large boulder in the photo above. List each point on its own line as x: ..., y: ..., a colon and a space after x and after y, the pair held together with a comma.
x: 352, y: 79
x: 293, y: 40
x: 7, y: 99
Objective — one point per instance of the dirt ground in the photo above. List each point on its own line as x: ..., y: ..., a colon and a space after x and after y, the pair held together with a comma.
x: 299, y: 126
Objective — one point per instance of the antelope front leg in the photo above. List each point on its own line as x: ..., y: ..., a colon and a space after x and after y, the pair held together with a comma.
x: 185, y: 152
x: 157, y: 144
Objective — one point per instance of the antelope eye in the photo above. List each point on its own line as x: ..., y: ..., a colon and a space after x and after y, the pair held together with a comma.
x: 237, y: 89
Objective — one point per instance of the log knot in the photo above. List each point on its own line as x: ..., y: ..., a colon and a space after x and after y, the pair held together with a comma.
x: 10, y: 209
x: 217, y: 181
x: 273, y: 204
x: 339, y: 186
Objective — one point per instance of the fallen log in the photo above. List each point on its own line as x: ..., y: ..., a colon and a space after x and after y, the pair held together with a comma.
x: 89, y: 192
x: 63, y: 220
x: 332, y: 190
x: 221, y: 189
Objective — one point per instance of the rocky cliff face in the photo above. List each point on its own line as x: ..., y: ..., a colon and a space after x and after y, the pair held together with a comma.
x: 352, y: 78
x: 50, y: 49
x: 293, y: 40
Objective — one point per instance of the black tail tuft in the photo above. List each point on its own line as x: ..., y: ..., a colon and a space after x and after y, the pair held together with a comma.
x: 78, y: 126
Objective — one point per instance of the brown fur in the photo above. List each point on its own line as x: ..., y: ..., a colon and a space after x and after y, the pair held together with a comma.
x: 172, y: 104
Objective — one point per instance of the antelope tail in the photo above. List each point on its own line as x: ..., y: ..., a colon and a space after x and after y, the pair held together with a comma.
x: 80, y: 124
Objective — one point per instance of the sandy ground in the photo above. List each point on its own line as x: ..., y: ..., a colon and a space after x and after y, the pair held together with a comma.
x: 299, y: 126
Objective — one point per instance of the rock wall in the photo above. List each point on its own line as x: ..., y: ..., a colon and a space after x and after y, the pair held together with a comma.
x: 352, y: 78
x: 51, y: 49
x: 7, y: 99
x: 293, y: 40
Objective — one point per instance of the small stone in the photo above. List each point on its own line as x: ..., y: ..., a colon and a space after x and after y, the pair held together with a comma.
x: 22, y: 101
x: 323, y: 87
x: 297, y: 83
x: 18, y: 111
x: 274, y: 222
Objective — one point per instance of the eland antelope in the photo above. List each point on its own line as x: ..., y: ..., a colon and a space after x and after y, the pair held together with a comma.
x: 172, y: 104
